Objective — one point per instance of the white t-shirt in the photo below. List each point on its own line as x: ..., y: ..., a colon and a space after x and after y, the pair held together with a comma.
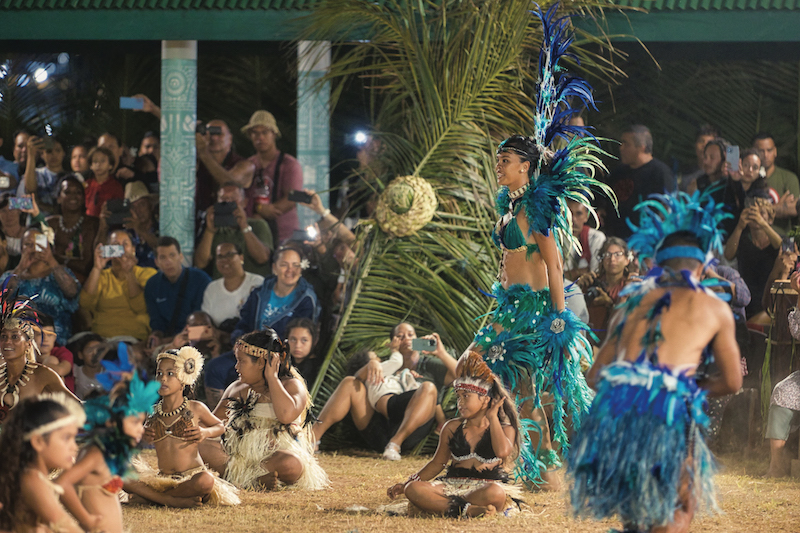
x: 221, y: 304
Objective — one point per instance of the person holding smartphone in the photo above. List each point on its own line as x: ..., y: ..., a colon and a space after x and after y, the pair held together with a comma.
x: 392, y: 420
x: 43, y: 181
x: 40, y: 273
x: 113, y: 297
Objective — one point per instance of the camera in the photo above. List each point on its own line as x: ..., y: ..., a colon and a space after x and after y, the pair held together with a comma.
x: 203, y: 129
x: 592, y: 293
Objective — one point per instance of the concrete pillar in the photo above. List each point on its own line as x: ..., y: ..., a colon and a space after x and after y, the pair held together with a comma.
x: 313, y: 121
x: 178, y: 119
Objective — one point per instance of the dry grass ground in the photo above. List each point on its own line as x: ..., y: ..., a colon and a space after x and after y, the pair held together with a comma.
x: 750, y: 504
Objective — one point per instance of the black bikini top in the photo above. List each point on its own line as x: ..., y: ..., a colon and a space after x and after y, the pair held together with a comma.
x: 460, y: 450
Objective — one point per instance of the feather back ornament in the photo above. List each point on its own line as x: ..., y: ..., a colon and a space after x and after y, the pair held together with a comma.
x: 664, y: 214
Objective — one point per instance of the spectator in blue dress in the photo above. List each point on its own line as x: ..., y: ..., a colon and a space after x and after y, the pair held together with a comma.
x: 54, y: 285
x: 172, y: 294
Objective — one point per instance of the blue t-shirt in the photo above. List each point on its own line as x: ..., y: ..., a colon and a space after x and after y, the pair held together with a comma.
x: 161, y: 295
x: 9, y: 167
x: 274, y: 307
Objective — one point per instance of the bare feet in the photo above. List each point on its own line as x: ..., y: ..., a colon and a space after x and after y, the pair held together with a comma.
x: 474, y: 511
x: 183, y: 503
x: 267, y: 481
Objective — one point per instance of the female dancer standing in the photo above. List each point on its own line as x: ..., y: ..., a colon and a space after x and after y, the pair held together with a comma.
x: 533, y: 342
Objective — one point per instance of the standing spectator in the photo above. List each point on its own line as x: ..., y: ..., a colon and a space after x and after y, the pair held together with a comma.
x: 755, y: 245
x: 114, y: 297
x: 216, y: 157
x: 588, y: 260
x: 16, y: 169
x: 224, y: 297
x: 43, y: 181
x: 705, y: 134
x: 10, y: 170
x: 782, y: 180
x: 173, y: 293
x: 716, y: 174
x: 118, y: 169
x: 102, y: 186
x: 13, y: 226
x: 150, y: 145
x: 39, y: 273
x: 142, y: 226
x: 75, y: 231
x: 269, y: 176
x: 283, y: 297
x: 252, y: 235
x: 638, y: 176
x: 79, y: 162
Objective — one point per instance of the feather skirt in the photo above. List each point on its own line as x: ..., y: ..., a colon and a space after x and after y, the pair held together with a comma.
x: 525, y: 351
x: 250, y: 449
x: 643, y: 434
x: 223, y: 493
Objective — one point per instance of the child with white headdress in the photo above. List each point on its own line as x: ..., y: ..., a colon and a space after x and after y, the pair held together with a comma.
x: 177, y: 428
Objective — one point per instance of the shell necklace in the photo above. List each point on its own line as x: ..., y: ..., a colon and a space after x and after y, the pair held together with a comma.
x: 13, y: 390
x: 172, y: 413
x: 71, y: 229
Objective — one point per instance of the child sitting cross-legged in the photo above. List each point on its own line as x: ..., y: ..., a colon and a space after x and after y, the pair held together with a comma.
x: 177, y: 428
x: 479, y: 444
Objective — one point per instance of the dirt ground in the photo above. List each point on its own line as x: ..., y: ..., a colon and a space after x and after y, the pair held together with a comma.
x: 750, y: 504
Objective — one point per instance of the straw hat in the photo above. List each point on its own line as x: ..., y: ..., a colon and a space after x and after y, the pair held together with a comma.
x: 262, y: 118
x: 136, y: 190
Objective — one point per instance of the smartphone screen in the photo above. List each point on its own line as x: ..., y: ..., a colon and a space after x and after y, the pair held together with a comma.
x: 41, y: 242
x: 197, y: 333
x: 20, y: 202
x: 127, y: 102
x: 732, y: 157
x: 113, y: 250
x: 5, y: 182
x: 427, y: 345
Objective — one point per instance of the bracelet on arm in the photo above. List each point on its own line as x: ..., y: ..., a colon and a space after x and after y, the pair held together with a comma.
x: 413, y: 477
x: 248, y: 229
x: 324, y: 213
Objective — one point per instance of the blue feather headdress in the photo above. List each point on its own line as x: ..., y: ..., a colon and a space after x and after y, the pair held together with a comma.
x: 664, y: 214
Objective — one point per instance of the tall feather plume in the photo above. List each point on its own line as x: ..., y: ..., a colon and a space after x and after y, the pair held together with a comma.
x: 472, y: 365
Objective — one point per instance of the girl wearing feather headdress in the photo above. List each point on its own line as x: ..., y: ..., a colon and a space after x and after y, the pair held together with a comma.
x: 640, y: 453
x: 480, y: 444
x: 20, y: 375
x: 533, y: 342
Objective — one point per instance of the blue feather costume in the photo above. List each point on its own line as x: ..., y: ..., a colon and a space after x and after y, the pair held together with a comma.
x: 644, y: 433
x: 537, y: 348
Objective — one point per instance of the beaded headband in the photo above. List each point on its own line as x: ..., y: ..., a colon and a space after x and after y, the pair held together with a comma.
x: 478, y: 386
x: 474, y: 375
x: 255, y: 351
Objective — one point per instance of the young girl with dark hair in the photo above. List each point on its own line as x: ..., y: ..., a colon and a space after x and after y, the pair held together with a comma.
x: 38, y: 437
x: 266, y: 443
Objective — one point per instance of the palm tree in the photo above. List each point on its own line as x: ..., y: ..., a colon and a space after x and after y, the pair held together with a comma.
x: 448, y: 79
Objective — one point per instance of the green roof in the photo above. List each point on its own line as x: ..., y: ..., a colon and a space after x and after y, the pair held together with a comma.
x: 185, y: 5
x: 710, y: 5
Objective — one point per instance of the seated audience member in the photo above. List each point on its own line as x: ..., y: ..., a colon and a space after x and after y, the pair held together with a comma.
x: 251, y: 235
x: 301, y: 336
x: 224, y: 297
x: 12, y: 223
x: 115, y: 296
x: 755, y: 244
x: 282, y: 297
x: 92, y: 351
x: 79, y: 162
x: 42, y: 182
x: 201, y: 333
x: 4, y: 258
x: 705, y: 133
x: 784, y: 408
x: 75, y: 231
x: 39, y: 273
x: 785, y: 264
x: 101, y: 186
x: 783, y: 181
x: 267, y: 443
x: 588, y: 260
x: 173, y: 293
x: 601, y: 289
x: 403, y: 419
x: 58, y: 358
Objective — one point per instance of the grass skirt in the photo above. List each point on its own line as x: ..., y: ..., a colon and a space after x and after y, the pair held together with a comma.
x: 223, y: 493
x: 643, y: 432
x: 527, y: 351
x: 265, y: 436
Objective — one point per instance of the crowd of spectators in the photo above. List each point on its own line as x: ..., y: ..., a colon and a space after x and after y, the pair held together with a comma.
x: 80, y: 229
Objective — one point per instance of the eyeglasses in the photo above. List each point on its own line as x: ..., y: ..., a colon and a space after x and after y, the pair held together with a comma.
x: 229, y: 255
x: 615, y: 255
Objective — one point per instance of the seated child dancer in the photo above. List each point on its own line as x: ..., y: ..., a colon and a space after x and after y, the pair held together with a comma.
x: 177, y: 428
x: 640, y: 453
x: 266, y: 443
x: 115, y: 424
x: 38, y: 436
x: 480, y: 445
